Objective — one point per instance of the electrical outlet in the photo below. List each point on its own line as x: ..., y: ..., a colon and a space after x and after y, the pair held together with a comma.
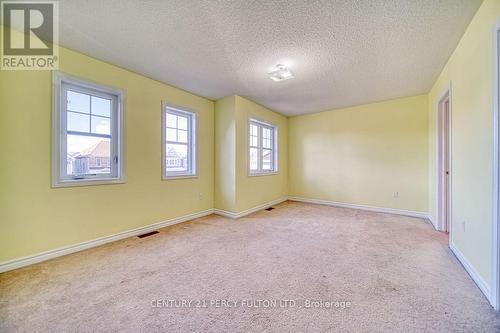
x: 395, y: 195
x: 200, y: 196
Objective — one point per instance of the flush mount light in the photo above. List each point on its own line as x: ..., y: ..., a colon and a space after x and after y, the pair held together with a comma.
x: 281, y: 73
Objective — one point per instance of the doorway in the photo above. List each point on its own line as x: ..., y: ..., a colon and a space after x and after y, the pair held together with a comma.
x: 444, y: 163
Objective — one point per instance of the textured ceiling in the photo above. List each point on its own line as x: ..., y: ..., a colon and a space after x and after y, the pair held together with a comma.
x: 342, y: 52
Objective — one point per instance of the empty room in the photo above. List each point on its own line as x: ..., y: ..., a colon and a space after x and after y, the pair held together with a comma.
x: 250, y: 166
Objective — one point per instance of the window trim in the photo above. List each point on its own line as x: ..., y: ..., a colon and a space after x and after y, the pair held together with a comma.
x: 58, y: 78
x: 192, y: 140
x: 275, y: 139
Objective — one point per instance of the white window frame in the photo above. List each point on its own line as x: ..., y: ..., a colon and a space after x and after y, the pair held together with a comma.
x: 60, y: 178
x: 192, y: 145
x: 274, y: 144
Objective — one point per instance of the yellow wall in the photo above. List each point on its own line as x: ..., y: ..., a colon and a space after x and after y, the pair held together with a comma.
x: 235, y: 190
x: 358, y: 155
x: 470, y: 70
x: 252, y: 191
x: 34, y: 217
x: 225, y: 154
x: 362, y: 155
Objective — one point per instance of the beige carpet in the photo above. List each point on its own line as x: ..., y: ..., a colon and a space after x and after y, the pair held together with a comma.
x: 396, y: 272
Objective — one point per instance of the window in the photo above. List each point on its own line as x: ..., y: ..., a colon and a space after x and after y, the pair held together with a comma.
x: 87, y: 133
x: 179, y: 143
x: 262, y: 148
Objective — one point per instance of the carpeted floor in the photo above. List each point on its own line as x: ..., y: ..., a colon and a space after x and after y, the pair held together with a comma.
x: 297, y: 268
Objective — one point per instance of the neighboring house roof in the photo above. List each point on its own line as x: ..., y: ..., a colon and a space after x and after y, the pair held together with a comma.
x: 71, y: 156
x: 100, y: 149
x: 171, y: 152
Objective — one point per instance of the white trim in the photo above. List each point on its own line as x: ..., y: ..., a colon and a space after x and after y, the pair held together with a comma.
x: 257, y: 174
x: 88, y: 182
x: 275, y: 138
x: 47, y: 255
x: 478, y: 280
x: 433, y: 222
x: 446, y: 94
x: 422, y: 215
x: 249, y: 211
x: 119, y: 178
x: 192, y: 143
x: 495, y: 245
x: 180, y: 177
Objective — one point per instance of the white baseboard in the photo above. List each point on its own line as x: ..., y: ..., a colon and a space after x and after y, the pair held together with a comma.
x: 47, y: 255
x: 43, y: 256
x: 249, y: 211
x: 432, y: 220
x: 482, y: 285
x: 422, y: 215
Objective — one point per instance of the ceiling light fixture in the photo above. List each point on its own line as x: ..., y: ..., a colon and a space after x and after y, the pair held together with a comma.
x: 281, y: 73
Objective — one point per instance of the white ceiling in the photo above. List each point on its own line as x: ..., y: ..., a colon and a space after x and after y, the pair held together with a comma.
x: 342, y: 52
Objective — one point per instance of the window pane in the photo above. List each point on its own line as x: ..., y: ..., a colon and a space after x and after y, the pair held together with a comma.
x: 253, y: 141
x: 253, y: 130
x: 171, y: 120
x: 101, y: 125
x: 267, y: 159
x: 101, y: 106
x: 182, y: 123
x: 253, y: 158
x: 266, y: 133
x: 266, y: 143
x: 171, y: 134
x: 78, y: 102
x: 182, y: 135
x: 88, y: 155
x: 78, y: 122
x: 176, y: 159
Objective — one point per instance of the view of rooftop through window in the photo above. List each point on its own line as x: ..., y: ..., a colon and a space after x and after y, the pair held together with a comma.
x: 88, y: 120
x: 176, y: 157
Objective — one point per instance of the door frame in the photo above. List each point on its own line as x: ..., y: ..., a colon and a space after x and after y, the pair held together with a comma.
x: 495, y: 245
x: 440, y: 223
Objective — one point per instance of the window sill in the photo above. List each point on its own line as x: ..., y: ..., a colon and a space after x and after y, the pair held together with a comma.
x: 258, y: 174
x: 179, y: 177
x: 87, y: 182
